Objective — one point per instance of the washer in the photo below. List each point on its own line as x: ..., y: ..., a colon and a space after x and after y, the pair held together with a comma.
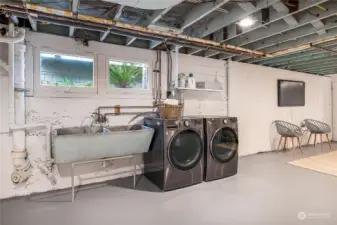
x: 221, y: 147
x: 175, y: 157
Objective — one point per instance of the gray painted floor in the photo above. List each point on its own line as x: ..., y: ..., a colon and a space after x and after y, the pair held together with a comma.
x: 265, y: 191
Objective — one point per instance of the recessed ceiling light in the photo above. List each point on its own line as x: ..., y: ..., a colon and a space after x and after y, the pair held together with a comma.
x: 246, y: 22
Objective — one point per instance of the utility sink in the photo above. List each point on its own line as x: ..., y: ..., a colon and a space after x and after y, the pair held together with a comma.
x: 75, y: 144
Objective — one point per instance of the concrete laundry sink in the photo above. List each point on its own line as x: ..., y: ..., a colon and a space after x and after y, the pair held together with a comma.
x: 75, y: 144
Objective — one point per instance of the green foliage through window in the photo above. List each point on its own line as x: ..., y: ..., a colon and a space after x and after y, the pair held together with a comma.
x: 127, y: 75
x: 66, y: 70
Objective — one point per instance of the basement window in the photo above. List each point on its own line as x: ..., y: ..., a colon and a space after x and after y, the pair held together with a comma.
x: 65, y: 70
x: 128, y: 74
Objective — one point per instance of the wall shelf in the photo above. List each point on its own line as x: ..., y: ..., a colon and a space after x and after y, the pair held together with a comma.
x: 199, y: 90
x: 200, y: 94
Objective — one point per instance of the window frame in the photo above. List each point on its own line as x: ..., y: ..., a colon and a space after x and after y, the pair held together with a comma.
x: 136, y: 91
x: 63, y: 89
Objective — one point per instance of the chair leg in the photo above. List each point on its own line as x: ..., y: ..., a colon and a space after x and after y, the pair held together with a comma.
x: 292, y: 140
x: 321, y: 141
x: 299, y: 144
x: 315, y: 140
x: 309, y: 139
x: 279, y: 144
x: 327, y: 137
x: 285, y: 143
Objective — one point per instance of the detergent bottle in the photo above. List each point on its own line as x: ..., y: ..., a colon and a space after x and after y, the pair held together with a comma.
x: 191, y: 82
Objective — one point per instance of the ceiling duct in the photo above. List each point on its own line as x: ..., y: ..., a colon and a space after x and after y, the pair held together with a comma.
x: 147, y: 4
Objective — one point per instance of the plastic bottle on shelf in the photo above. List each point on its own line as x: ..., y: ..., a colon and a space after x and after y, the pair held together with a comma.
x: 191, y: 82
x: 181, y: 80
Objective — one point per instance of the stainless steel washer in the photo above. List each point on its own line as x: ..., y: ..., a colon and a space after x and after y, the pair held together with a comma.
x: 221, y: 147
x: 175, y: 158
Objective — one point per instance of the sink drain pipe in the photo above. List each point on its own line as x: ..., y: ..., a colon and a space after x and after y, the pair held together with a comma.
x: 16, y: 106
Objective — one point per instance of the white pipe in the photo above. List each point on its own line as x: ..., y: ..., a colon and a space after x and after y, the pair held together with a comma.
x: 11, y: 77
x: 176, y: 72
x: 4, y: 65
x: 17, y: 110
x: 11, y: 39
x: 48, y: 130
x: 228, y: 80
x: 17, y: 101
x: 27, y: 126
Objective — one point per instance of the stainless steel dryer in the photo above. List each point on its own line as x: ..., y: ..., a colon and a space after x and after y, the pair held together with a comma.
x: 221, y: 147
x: 175, y: 158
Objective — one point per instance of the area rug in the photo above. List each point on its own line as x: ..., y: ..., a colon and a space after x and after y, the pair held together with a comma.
x: 324, y: 163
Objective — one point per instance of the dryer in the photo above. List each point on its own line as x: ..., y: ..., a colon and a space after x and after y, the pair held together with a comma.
x: 221, y: 147
x: 175, y: 157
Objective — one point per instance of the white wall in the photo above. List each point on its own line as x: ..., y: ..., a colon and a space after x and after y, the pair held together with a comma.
x: 252, y: 91
x: 253, y: 99
x: 66, y: 107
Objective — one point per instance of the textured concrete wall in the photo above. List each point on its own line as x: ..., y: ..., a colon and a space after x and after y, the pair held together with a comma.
x: 68, y: 107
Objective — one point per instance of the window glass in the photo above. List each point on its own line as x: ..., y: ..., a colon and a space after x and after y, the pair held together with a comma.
x: 66, y: 70
x: 128, y: 75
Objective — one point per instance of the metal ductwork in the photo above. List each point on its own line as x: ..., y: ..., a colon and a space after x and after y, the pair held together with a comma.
x: 147, y: 4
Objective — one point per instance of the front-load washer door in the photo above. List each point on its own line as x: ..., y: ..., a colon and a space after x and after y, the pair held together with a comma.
x: 224, y: 145
x: 185, y: 149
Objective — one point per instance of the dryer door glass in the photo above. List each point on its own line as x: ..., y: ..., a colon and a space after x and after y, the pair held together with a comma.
x: 224, y: 145
x: 185, y: 149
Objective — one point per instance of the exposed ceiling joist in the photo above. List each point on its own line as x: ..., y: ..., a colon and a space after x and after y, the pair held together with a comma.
x: 104, y: 35
x: 297, y: 34
x: 192, y: 51
x: 119, y: 12
x: 282, y: 8
x: 236, y: 14
x: 329, y: 63
x: 322, y: 67
x: 150, y: 21
x: 33, y: 23
x: 74, y: 9
x: 197, y: 13
x: 210, y: 53
x: 117, y: 16
x: 306, y: 41
x: 300, y: 57
x: 65, y: 18
x: 247, y: 6
x: 319, y: 24
x: 130, y: 40
x: 275, y: 16
x: 200, y: 11
x: 322, y: 71
x: 279, y: 28
x: 306, y: 61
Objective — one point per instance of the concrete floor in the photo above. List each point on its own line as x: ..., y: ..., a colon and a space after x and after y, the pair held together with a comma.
x: 265, y: 191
